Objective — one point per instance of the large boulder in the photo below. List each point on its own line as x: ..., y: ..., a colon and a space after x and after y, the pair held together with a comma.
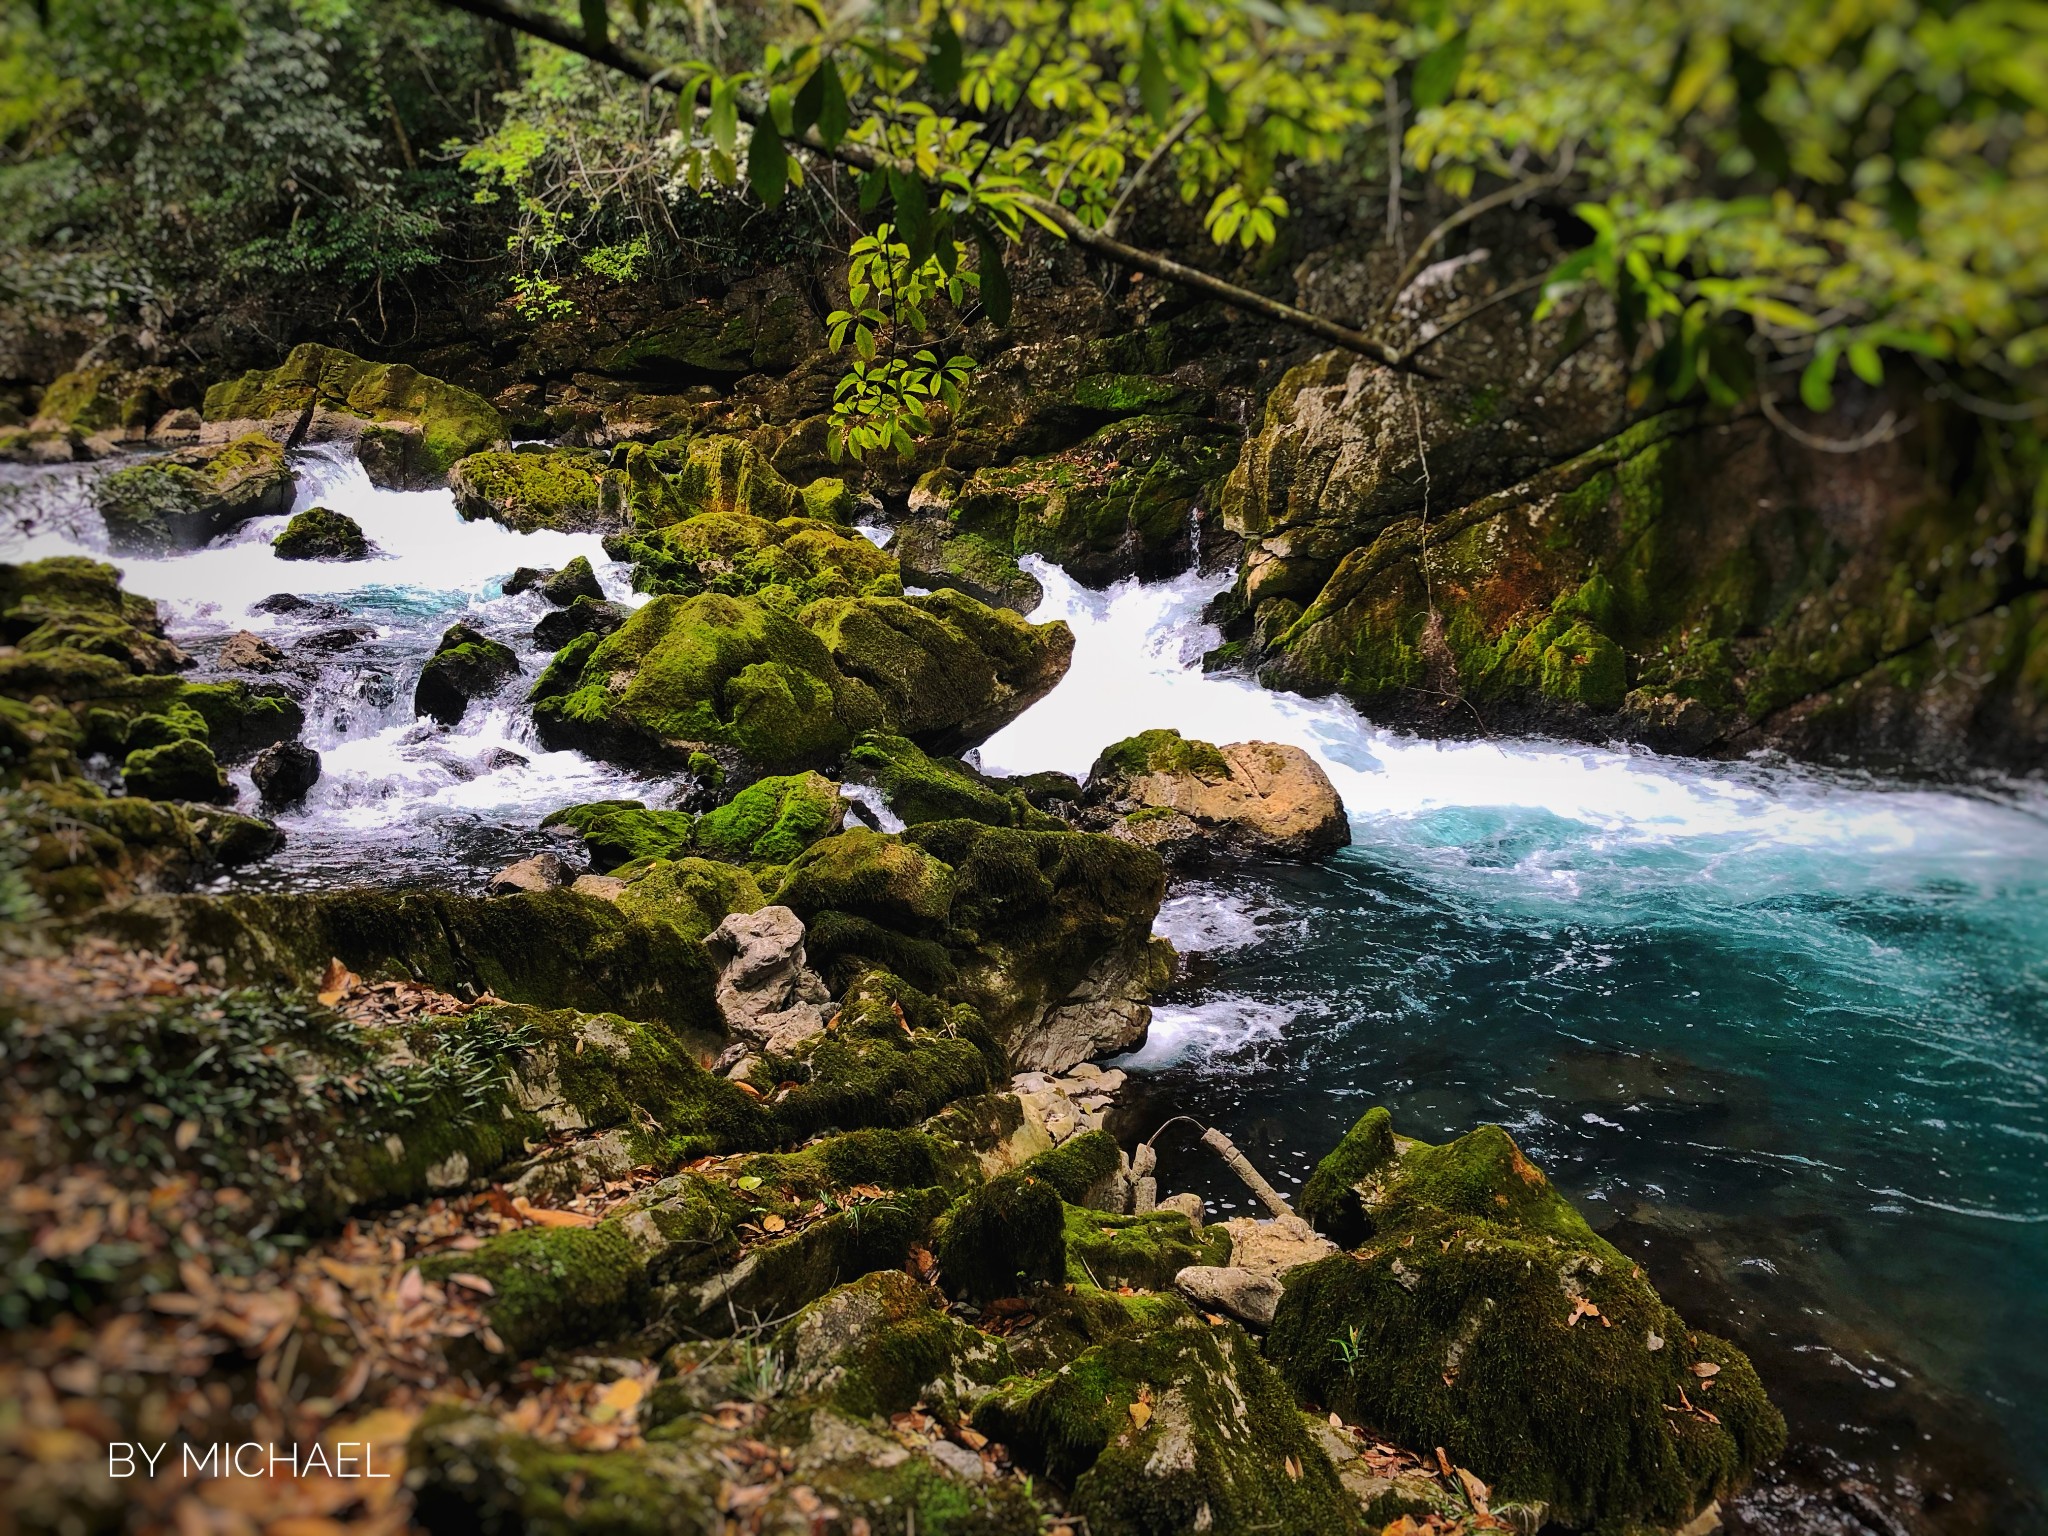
x: 932, y: 554
x: 320, y: 533
x: 409, y: 429
x: 72, y: 604
x: 917, y: 786
x: 465, y: 666
x: 767, y: 691
x: 790, y: 561
x: 529, y: 489
x: 1480, y: 1313
x: 193, y: 496
x: 1192, y: 802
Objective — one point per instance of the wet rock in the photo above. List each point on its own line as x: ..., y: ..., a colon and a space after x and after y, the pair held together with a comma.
x: 247, y: 652
x: 1247, y: 1295
x: 193, y: 496
x: 285, y: 772
x: 409, y: 429
x: 769, y: 998
x: 181, y: 769
x: 932, y: 555
x: 524, y: 579
x: 574, y: 580
x: 1193, y: 802
x: 541, y: 872
x: 302, y: 607
x: 344, y: 638
x: 233, y: 840
x: 499, y: 758
x: 465, y: 666
x: 584, y: 616
x: 792, y: 559
x: 244, y: 718
x: 321, y: 534
x: 920, y: 787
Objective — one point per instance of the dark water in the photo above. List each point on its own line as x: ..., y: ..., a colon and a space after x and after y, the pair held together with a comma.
x: 1820, y: 1119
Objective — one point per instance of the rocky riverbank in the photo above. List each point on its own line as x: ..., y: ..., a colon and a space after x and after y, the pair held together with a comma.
x: 744, y: 1161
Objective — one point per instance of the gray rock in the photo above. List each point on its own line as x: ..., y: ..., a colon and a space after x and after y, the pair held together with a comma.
x: 768, y: 995
x: 542, y: 872
x: 284, y: 772
x: 1250, y: 1296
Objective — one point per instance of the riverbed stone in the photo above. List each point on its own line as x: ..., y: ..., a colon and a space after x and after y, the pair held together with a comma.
x: 283, y: 773
x: 318, y: 533
x: 465, y: 666
x: 192, y: 496
x: 1193, y: 802
x: 538, y: 872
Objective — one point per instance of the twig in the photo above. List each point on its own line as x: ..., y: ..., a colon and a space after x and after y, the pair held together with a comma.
x: 1466, y: 215
x: 1888, y: 429
x: 1192, y: 116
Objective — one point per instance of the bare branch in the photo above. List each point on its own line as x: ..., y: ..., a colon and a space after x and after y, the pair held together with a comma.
x: 1888, y: 429
x: 1466, y: 215
x: 1189, y: 118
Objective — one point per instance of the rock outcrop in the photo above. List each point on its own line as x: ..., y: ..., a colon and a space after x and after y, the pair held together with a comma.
x: 1192, y: 802
x: 529, y: 489
x: 192, y: 496
x: 770, y: 999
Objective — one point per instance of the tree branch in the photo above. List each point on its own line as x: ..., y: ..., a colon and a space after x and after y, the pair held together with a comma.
x: 630, y: 61
x: 1188, y: 119
x: 1466, y: 215
x: 1887, y: 429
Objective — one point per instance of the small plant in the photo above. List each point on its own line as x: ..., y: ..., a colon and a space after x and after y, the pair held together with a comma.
x: 1348, y: 1349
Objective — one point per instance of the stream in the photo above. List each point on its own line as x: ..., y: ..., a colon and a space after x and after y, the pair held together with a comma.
x: 1781, y: 1031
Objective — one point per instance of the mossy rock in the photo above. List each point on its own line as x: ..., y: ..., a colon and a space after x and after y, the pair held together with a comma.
x: 177, y: 722
x: 870, y: 875
x: 933, y: 555
x: 729, y: 474
x: 1079, y: 1168
x: 465, y: 666
x: 1144, y: 1252
x: 178, y: 769
x: 321, y: 534
x: 195, y: 495
x: 1157, y: 751
x: 1003, y: 1239
x: 410, y: 429
x: 243, y: 718
x: 1216, y: 1442
x: 577, y: 579
x: 772, y: 820
x: 886, y: 1158
x: 140, y: 651
x: 692, y: 896
x: 1482, y: 1314
x: 920, y: 787
x: 69, y: 589
x: 593, y: 616
x: 798, y: 559
x: 619, y: 832
x: 879, y: 1346
x: 529, y: 490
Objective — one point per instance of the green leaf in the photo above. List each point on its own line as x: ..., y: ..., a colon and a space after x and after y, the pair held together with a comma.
x: 834, y: 116
x: 872, y: 185
x: 597, y: 26
x: 781, y: 110
x: 995, y: 281
x: 913, y: 213
x: 942, y: 58
x: 1436, y: 73
x: 1154, y: 89
x: 808, y: 101
x: 725, y: 117
x: 1817, y: 382
x: 767, y: 166
x: 1865, y: 363
x: 1217, y: 106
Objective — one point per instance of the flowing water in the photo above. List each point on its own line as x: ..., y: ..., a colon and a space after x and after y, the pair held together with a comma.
x: 1783, y: 1032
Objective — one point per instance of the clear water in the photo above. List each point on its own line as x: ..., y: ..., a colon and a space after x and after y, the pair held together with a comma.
x: 1783, y: 1032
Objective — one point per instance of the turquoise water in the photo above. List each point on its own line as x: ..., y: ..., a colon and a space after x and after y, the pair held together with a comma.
x: 1782, y: 1033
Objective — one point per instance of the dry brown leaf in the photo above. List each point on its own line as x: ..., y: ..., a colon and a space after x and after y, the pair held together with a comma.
x: 772, y: 1223
x: 1141, y: 1414
x: 541, y: 1215
x: 1706, y: 1370
x: 475, y: 1283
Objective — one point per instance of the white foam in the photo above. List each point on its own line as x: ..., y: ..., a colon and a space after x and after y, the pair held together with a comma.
x: 1214, y: 1030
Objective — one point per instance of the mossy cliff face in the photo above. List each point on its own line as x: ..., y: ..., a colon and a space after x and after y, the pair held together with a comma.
x: 777, y: 692
x: 1479, y: 1312
x: 194, y: 495
x: 409, y: 429
x: 1706, y: 586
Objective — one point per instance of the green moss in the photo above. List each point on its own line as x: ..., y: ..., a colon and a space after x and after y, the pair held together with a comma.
x: 772, y: 820
x: 621, y: 832
x: 1330, y: 1199
x: 320, y: 534
x: 1003, y: 1239
x: 1453, y: 1325
x: 871, y: 875
x: 178, y: 722
x: 886, y: 1158
x: 920, y: 787
x: 1143, y: 1251
x: 1077, y: 1166
x: 466, y: 665
x: 744, y: 556
x: 692, y: 896
x: 450, y: 423
x: 179, y: 769
x: 241, y: 718
x: 528, y: 491
x: 474, y: 1475
x: 1212, y: 1451
x: 871, y: 1070
x: 1158, y: 751
x: 554, y: 1285
x: 197, y: 494
x: 68, y: 588
x: 879, y: 1346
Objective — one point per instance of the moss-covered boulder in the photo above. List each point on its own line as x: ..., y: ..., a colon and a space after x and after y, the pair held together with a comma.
x: 776, y: 693
x: 617, y: 832
x: 192, y: 496
x: 791, y: 561
x: 243, y: 718
x: 593, y: 616
x: 772, y: 820
x: 920, y: 787
x: 1482, y: 1314
x: 879, y: 1346
x: 577, y: 579
x: 1172, y: 1425
x: 466, y: 665
x: 530, y: 489
x: 1003, y: 1239
x: 108, y: 400
x: 932, y: 554
x: 69, y: 589
x: 179, y: 769
x: 319, y: 533
x: 692, y: 896
x: 409, y: 429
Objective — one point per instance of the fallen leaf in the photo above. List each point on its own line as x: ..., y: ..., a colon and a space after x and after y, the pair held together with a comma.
x: 186, y: 1133
x: 772, y: 1223
x: 1293, y: 1469
x: 541, y: 1215
x: 1706, y: 1370
x: 475, y: 1283
x: 1141, y: 1414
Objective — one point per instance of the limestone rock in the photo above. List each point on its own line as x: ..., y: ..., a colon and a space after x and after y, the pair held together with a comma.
x: 284, y: 772
x: 933, y: 555
x: 465, y: 666
x: 1274, y: 1248
x: 247, y: 652
x: 1191, y: 802
x: 192, y: 496
x: 1251, y: 1296
x: 530, y: 489
x: 769, y: 998
x: 540, y: 872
